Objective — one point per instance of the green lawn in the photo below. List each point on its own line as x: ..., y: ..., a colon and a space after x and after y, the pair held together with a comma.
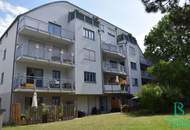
x: 115, y: 121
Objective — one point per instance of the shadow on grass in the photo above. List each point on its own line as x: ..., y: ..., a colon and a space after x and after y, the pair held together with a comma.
x: 139, y: 113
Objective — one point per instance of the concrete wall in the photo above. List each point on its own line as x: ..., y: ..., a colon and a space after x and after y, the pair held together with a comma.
x: 6, y: 66
x: 85, y: 65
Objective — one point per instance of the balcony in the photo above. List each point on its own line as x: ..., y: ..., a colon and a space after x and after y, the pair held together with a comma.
x: 23, y: 83
x: 44, y: 54
x: 113, y: 50
x: 145, y: 61
x: 115, y: 89
x: 114, y: 68
x: 146, y: 75
x: 40, y: 29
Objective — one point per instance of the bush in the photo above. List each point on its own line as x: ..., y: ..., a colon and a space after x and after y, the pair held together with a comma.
x: 158, y: 99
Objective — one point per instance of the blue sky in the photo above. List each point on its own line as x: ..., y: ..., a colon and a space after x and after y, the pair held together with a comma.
x: 126, y: 14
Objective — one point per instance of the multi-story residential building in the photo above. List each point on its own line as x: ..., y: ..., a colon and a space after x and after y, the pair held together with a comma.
x: 71, y: 56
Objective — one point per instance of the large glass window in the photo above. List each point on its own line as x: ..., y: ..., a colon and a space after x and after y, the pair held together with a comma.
x: 132, y: 51
x: 90, y: 77
x: 54, y: 29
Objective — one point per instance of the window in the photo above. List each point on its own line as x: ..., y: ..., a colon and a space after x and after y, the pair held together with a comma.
x: 54, y: 29
x: 89, y: 55
x: 113, y: 64
x: 4, y: 54
x: 56, y: 75
x: 132, y: 51
x: 133, y: 66
x: 88, y: 34
x: 90, y: 77
x: 134, y: 82
x: 56, y: 100
x: 2, y: 78
x: 88, y: 19
x: 79, y: 15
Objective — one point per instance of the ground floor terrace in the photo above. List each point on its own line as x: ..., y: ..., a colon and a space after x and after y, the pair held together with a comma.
x: 61, y: 106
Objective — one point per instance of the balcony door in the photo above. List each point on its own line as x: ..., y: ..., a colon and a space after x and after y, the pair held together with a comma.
x: 34, y: 74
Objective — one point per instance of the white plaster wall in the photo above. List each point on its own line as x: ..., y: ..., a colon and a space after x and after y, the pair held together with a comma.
x: 83, y: 65
x: 6, y: 66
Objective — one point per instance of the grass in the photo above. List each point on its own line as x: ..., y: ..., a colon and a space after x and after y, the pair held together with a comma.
x: 113, y: 121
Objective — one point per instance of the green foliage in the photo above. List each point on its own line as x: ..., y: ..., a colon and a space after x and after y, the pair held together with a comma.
x: 158, y: 99
x: 162, y: 5
x: 150, y: 96
x: 175, y: 75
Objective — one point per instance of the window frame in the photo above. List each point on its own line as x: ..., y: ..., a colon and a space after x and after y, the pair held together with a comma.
x: 135, y: 82
x: 89, y: 34
x: 89, y: 77
x: 133, y: 67
x: 51, y: 29
x: 89, y: 52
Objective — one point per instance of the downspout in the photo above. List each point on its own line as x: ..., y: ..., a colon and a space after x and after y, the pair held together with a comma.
x: 101, y: 61
x: 11, y: 102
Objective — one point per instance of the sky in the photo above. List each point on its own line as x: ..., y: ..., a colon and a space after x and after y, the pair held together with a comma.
x: 129, y: 15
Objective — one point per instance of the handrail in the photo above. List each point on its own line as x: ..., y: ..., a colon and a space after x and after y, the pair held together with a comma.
x: 42, y: 26
x: 24, y: 81
x: 112, y: 48
x: 119, y: 68
x: 42, y: 52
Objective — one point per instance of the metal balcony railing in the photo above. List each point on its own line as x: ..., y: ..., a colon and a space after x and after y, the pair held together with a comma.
x: 43, y: 27
x: 112, y: 88
x: 42, y: 83
x: 116, y: 68
x: 43, y: 52
x: 147, y: 75
x: 112, y: 48
x: 145, y: 61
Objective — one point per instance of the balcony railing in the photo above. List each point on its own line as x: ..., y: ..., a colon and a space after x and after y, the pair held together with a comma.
x: 24, y: 82
x: 145, y: 61
x: 115, y: 68
x: 116, y: 88
x: 147, y: 75
x: 113, y: 49
x: 45, y: 53
x: 43, y: 27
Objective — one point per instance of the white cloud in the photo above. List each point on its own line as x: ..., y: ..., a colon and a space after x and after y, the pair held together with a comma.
x: 12, y: 9
x: 5, y: 22
x: 11, y: 12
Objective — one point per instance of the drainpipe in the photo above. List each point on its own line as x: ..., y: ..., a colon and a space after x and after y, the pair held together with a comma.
x: 101, y: 61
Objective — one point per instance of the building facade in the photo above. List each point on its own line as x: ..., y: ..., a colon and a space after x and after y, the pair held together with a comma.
x: 72, y: 57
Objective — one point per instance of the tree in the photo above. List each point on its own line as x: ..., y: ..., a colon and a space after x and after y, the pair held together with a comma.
x: 170, y: 39
x: 162, y: 5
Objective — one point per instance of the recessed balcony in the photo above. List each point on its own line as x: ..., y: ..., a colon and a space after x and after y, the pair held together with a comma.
x: 114, y: 68
x: 146, y: 75
x: 112, y: 50
x: 38, y: 54
x: 23, y: 83
x: 44, y: 30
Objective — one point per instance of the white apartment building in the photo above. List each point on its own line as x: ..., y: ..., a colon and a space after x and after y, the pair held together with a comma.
x: 73, y: 56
